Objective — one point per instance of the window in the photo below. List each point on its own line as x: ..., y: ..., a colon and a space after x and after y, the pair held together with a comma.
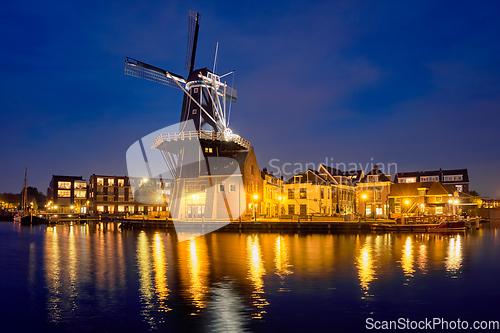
x: 208, y: 150
x: 111, y: 209
x: 407, y: 180
x: 303, y: 209
x: 303, y: 193
x: 421, y: 192
x: 66, y: 185
x: 439, y: 199
x: 291, y: 193
x: 232, y: 187
x: 64, y: 193
x: 379, y: 210
x: 121, y: 209
x: 121, y: 182
x: 397, y: 200
x: 195, y: 90
x: 291, y: 209
x: 322, y: 195
x: 439, y: 210
x: 221, y: 187
x: 378, y: 195
x: 251, y: 169
x: 131, y: 209
x: 111, y: 182
x: 429, y: 178
x: 397, y: 209
x: 100, y: 181
x: 100, y: 209
x: 459, y: 188
x: 80, y: 193
x: 80, y: 185
x: 456, y: 178
x: 195, y: 111
x: 368, y: 210
x: 372, y: 178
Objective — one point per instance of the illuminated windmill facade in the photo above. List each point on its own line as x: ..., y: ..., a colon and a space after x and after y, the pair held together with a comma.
x: 203, y: 152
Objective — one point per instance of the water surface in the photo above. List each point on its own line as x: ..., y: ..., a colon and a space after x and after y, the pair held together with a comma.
x: 97, y: 277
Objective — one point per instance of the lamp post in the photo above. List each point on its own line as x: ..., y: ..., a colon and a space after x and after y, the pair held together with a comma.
x: 255, y: 197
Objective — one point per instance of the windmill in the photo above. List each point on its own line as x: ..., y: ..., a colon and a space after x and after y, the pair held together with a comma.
x: 203, y: 148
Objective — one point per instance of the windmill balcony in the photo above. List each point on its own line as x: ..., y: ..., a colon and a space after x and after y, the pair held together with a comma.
x: 162, y: 140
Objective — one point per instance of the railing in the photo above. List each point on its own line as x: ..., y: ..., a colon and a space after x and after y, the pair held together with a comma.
x: 203, y: 135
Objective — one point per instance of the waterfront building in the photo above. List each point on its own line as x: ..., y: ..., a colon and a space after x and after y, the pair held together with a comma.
x: 342, y: 185
x: 307, y: 194
x: 423, y: 198
x: 458, y: 178
x: 113, y: 196
x: 67, y: 194
x: 372, y: 194
x: 272, y: 196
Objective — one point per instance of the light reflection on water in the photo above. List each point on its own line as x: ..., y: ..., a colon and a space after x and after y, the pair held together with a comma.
x: 227, y: 280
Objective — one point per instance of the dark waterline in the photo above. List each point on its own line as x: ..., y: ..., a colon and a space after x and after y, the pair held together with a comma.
x: 96, y: 278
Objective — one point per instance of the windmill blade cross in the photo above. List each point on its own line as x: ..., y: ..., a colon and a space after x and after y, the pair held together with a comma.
x: 140, y: 69
x: 193, y: 28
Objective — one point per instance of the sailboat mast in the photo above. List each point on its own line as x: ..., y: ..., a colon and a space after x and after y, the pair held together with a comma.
x: 25, y: 198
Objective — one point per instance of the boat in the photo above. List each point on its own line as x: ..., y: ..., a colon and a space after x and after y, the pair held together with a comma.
x: 33, y: 220
x: 445, y: 226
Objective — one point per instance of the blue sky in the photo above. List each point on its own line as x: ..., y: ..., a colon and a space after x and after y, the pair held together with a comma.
x: 413, y: 83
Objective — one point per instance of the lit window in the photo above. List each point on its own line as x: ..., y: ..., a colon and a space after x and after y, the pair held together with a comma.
x: 397, y: 209
x: 111, y: 209
x: 397, y: 200
x: 303, y: 193
x: 111, y: 182
x: 100, y: 209
x: 80, y: 193
x: 121, y: 182
x: 439, y: 199
x: 439, y: 210
x: 63, y: 193
x: 100, y: 181
x: 121, y: 209
x: 66, y: 185
x: 459, y: 188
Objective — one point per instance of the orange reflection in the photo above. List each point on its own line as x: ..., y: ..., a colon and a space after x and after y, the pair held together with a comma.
x: 143, y: 257
x: 256, y: 271
x: 453, y: 260
x: 53, y: 275
x: 160, y: 268
x: 422, y: 258
x: 365, y: 264
x: 281, y: 257
x: 193, y: 256
x: 407, y: 260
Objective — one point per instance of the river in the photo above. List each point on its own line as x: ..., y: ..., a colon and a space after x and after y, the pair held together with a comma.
x: 99, y: 278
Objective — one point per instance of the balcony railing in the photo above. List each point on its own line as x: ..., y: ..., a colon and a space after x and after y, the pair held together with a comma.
x: 202, y: 135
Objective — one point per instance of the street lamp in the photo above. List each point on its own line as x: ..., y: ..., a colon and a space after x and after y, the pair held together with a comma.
x: 255, y: 197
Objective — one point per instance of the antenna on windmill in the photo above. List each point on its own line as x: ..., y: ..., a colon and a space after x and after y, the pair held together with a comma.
x: 215, y: 59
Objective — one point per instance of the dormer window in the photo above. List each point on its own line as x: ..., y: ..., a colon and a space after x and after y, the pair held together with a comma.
x: 372, y: 178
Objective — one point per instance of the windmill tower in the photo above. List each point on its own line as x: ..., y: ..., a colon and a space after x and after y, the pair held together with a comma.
x: 203, y: 153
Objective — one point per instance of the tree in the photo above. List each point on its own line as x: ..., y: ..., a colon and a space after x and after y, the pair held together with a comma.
x: 473, y: 194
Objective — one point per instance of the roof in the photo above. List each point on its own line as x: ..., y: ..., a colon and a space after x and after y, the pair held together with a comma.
x: 440, y: 173
x: 376, y: 171
x: 411, y: 189
x: 309, y: 176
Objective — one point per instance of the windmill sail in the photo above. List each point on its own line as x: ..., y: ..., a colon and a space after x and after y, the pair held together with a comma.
x: 193, y: 28
x: 141, y: 69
